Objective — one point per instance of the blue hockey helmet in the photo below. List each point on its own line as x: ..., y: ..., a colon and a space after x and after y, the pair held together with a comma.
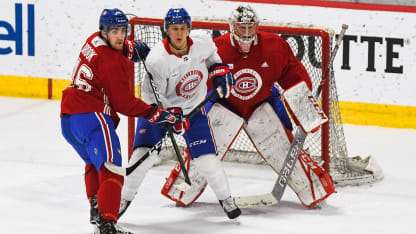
x: 177, y: 16
x: 112, y: 18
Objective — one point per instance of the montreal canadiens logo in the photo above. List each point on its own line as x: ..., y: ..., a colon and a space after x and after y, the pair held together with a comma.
x: 188, y: 83
x: 248, y: 84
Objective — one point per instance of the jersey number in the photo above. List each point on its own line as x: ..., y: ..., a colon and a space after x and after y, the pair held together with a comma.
x: 80, y: 73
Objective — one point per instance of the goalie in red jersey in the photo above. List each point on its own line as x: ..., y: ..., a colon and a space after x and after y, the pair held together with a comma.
x: 99, y: 89
x: 258, y: 60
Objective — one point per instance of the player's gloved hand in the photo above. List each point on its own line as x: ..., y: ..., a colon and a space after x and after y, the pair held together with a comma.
x: 222, y: 78
x: 181, y: 126
x: 135, y: 50
x: 162, y: 117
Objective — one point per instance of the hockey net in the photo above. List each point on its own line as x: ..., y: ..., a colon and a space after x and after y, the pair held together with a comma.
x: 312, y: 45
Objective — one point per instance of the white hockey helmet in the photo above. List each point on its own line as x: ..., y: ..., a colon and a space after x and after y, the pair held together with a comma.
x: 243, y: 25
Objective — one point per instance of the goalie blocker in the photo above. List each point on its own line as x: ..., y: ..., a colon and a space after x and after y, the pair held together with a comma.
x: 309, y: 181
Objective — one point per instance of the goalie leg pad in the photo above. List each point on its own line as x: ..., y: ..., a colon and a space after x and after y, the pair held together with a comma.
x: 135, y: 179
x: 225, y: 126
x: 268, y: 135
x: 309, y: 181
x: 320, y: 184
x: 202, y: 170
x: 171, y: 188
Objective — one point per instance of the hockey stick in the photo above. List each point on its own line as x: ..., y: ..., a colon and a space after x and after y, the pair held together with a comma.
x: 331, y: 59
x: 205, y: 101
x: 125, y: 171
x: 170, y: 132
x: 292, y: 156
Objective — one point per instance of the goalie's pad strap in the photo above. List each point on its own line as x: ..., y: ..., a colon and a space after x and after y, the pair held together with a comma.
x: 303, y: 107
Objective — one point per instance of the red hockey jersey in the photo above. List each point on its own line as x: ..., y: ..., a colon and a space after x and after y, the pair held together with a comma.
x: 100, y: 83
x: 270, y: 59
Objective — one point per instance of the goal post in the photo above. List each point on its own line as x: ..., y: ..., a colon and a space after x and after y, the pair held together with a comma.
x: 312, y: 46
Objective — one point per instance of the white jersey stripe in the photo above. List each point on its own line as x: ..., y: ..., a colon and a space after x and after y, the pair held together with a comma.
x: 107, y: 136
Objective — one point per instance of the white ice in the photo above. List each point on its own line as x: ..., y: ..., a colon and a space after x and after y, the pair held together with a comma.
x: 42, y: 188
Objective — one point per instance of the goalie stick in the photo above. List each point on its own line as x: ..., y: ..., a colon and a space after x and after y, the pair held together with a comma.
x: 289, y: 163
x: 125, y: 171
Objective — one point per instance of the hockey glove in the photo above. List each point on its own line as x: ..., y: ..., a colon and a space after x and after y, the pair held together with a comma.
x: 222, y: 79
x: 162, y: 117
x: 181, y: 126
x: 135, y: 50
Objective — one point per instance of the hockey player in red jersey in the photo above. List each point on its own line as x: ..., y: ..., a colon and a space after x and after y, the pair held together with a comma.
x: 258, y: 60
x: 99, y: 89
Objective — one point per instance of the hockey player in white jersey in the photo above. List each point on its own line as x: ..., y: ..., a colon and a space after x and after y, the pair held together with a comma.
x: 181, y: 66
x: 259, y: 60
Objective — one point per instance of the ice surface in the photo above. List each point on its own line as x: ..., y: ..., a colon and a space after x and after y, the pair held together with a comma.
x: 42, y: 188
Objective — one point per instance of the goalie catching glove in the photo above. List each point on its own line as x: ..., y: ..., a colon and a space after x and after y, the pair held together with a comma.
x: 222, y: 79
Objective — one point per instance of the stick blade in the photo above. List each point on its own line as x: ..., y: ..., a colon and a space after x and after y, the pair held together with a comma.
x: 256, y: 201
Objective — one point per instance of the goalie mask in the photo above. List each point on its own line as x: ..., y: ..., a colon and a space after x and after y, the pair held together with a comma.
x: 243, y: 26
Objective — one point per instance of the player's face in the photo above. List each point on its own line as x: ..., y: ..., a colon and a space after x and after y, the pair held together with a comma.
x: 245, y: 31
x: 115, y: 37
x: 178, y: 34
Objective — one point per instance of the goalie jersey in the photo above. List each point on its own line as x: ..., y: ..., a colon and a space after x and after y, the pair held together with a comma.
x: 270, y: 60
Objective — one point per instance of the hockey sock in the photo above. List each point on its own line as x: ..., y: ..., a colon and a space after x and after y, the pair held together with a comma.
x: 109, y: 194
x: 91, y: 180
x: 210, y: 167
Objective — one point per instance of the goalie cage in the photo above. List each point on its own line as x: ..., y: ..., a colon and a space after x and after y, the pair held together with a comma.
x: 311, y: 45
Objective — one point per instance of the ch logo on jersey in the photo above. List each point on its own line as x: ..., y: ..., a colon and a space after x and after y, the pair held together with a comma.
x: 188, y: 83
x: 248, y: 84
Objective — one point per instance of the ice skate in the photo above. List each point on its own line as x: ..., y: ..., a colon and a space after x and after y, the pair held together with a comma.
x: 95, y: 217
x: 230, y: 208
x: 108, y: 227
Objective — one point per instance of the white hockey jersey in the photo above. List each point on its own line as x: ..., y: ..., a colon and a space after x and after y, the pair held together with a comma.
x: 180, y: 81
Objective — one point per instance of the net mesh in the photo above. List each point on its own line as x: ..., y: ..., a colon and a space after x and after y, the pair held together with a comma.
x: 309, y: 48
